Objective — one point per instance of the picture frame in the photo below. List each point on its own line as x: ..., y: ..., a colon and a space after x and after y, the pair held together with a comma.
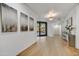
x: 69, y: 21
x: 31, y: 24
x: 8, y: 18
x: 23, y: 22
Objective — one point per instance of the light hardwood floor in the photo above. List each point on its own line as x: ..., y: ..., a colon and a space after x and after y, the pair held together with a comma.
x: 50, y: 46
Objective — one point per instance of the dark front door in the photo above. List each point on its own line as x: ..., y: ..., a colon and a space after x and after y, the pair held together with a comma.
x: 42, y: 28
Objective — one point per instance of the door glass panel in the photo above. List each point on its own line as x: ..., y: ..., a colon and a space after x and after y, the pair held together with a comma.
x: 42, y: 29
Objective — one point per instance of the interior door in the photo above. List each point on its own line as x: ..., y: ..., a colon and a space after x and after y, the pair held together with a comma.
x: 42, y: 28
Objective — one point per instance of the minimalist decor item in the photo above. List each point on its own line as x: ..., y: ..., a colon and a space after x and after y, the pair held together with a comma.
x: 31, y: 24
x: 69, y: 25
x: 9, y: 19
x: 23, y: 22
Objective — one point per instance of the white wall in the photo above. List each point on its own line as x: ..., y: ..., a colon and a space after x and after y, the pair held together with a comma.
x: 50, y: 29
x: 71, y: 14
x: 75, y: 14
x: 14, y: 42
x: 77, y: 27
x: 55, y: 28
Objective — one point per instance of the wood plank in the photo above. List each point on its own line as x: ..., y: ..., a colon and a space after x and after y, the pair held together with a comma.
x: 50, y: 46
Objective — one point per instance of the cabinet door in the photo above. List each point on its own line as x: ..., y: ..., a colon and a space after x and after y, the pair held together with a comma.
x: 71, y: 40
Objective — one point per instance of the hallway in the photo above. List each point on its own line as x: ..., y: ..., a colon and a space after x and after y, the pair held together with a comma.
x: 38, y: 29
x: 50, y: 46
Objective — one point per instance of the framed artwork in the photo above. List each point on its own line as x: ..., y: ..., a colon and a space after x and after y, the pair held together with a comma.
x: 9, y: 18
x: 23, y: 22
x: 69, y: 21
x: 31, y: 24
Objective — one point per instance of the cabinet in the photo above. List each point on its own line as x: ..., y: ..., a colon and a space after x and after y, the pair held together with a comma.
x: 65, y: 36
x: 71, y: 40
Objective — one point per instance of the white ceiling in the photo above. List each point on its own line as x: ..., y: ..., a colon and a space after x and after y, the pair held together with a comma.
x: 43, y: 8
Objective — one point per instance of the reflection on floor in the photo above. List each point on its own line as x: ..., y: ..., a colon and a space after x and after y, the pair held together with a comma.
x: 50, y: 46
